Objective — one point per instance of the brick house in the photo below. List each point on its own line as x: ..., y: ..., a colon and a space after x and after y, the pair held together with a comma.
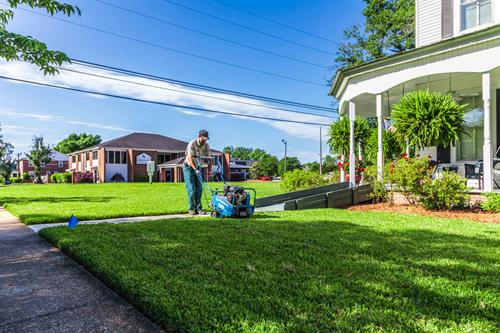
x: 127, y: 156
x: 59, y: 163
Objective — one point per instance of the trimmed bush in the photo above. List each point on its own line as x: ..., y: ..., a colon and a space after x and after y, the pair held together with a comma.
x: 409, y: 176
x: 61, y: 177
x: 300, y: 180
x: 445, y: 193
x: 16, y: 180
x: 492, y: 203
x: 26, y: 177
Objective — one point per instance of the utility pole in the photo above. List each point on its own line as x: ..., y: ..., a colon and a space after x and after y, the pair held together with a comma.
x: 320, y: 153
x: 286, y: 143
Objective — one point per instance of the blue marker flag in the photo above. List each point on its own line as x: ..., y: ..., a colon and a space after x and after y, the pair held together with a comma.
x: 73, y: 221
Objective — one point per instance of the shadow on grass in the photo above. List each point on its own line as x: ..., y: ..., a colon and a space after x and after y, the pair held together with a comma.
x: 319, y: 276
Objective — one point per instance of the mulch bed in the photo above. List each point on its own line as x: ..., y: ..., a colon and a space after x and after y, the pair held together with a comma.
x: 479, y: 216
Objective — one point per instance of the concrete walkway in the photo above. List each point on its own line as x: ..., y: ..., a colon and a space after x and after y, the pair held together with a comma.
x: 37, y: 227
x: 42, y: 290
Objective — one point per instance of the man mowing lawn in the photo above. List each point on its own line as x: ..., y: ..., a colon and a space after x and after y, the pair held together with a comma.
x: 196, y: 148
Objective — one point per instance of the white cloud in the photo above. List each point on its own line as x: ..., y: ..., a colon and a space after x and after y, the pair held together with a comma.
x: 160, y: 93
x: 14, y: 114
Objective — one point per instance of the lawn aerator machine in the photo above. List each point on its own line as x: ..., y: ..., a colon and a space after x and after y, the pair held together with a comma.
x: 231, y: 201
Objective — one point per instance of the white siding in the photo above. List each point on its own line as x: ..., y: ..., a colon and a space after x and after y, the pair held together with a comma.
x: 428, y: 22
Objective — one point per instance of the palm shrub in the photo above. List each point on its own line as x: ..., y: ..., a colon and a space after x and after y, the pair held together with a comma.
x: 392, y: 146
x: 428, y: 119
x: 339, y: 134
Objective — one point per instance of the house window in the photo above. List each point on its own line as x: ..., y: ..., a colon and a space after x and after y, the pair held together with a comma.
x: 87, y: 156
x: 73, y: 159
x: 470, y: 147
x: 94, y: 155
x: 475, y: 13
x: 79, y: 158
x: 60, y: 164
x: 162, y: 158
x: 30, y: 164
x: 116, y: 157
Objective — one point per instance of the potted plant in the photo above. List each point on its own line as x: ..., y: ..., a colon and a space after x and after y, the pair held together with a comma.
x: 359, y: 168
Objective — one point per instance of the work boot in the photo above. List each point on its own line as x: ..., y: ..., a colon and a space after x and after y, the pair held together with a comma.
x: 192, y: 212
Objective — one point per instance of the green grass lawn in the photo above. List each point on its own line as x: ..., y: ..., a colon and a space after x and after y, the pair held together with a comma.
x: 56, y: 202
x: 308, y: 271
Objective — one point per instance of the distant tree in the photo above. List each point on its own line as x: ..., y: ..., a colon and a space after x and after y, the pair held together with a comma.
x: 40, y: 155
x: 6, y: 158
x: 242, y: 153
x: 311, y: 166
x: 268, y: 166
x: 259, y: 154
x: 292, y: 163
x: 75, y: 142
x: 14, y: 46
x: 389, y: 28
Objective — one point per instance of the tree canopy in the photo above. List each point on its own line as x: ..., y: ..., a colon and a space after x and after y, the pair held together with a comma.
x: 6, y: 159
x: 389, y: 28
x: 75, y: 142
x: 40, y: 155
x: 15, y: 46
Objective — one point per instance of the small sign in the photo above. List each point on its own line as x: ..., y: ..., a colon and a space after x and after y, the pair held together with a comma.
x: 150, y: 167
x: 151, y: 170
x: 143, y: 158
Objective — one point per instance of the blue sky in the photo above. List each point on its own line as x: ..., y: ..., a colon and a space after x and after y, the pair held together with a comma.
x: 26, y: 110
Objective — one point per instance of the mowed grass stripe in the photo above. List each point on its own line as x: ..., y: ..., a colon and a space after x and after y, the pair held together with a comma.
x: 48, y: 203
x: 309, y: 271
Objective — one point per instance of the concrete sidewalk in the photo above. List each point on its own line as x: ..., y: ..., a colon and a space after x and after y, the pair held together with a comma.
x: 135, y: 219
x: 42, y: 290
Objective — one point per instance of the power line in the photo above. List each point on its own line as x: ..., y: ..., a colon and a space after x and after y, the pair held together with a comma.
x: 187, y: 92
x: 280, y: 55
x: 275, y: 22
x: 160, y: 103
x: 248, y: 27
x: 203, y: 87
x: 172, y: 49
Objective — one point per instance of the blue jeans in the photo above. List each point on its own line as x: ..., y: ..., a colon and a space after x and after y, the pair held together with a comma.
x: 193, y: 187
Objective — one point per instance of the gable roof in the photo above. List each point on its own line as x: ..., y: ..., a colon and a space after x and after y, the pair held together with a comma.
x: 146, y: 141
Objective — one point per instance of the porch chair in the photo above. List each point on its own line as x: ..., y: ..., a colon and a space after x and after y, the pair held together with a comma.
x: 470, y: 172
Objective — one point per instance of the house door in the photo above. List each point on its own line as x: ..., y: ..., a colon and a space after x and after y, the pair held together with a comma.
x: 443, y: 154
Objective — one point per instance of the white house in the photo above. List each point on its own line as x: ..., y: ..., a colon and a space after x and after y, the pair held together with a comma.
x: 457, y: 51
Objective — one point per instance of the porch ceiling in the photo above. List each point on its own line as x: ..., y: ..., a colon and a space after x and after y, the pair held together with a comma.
x: 460, y: 84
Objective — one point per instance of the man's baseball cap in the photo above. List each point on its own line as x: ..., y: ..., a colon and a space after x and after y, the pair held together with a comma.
x: 204, y: 133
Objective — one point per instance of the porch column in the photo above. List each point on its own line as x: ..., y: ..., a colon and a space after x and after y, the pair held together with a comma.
x: 487, y: 155
x: 352, y: 153
x: 380, y: 145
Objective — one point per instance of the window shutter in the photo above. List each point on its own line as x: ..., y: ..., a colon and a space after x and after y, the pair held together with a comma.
x: 446, y: 18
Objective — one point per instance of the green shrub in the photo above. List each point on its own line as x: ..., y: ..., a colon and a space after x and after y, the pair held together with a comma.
x: 26, y: 177
x: 16, y: 180
x: 64, y: 177
x: 380, y: 193
x: 408, y: 176
x: 445, y: 193
x: 300, y: 180
x: 492, y: 202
